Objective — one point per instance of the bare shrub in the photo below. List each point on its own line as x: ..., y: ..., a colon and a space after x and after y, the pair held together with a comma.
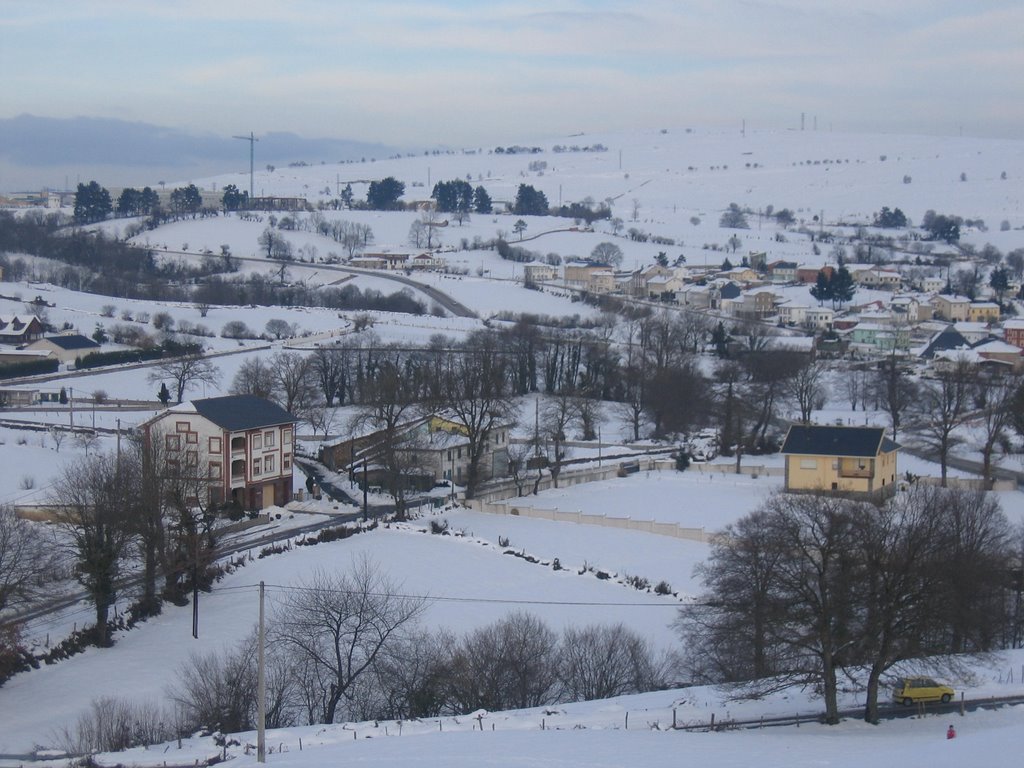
x: 111, y: 725
x: 511, y: 664
x: 598, y: 662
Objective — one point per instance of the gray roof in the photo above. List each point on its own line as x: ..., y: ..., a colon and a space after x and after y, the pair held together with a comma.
x: 71, y: 341
x: 237, y: 412
x: 837, y: 441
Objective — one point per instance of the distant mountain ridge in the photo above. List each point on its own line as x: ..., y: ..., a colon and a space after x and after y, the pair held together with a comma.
x: 33, y: 146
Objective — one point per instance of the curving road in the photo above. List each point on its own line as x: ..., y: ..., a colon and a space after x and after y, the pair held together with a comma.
x: 456, y: 308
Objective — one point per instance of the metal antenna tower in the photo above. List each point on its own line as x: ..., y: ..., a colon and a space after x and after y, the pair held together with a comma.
x: 251, y: 138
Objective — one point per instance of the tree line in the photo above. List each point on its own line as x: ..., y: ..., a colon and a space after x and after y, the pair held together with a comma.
x: 809, y: 587
x: 349, y: 646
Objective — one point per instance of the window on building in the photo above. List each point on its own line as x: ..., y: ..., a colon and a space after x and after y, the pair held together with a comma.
x: 215, y: 470
x: 192, y: 438
x: 191, y: 459
x: 257, y: 441
x: 808, y: 463
x: 268, y: 439
x: 286, y: 463
x: 287, y: 436
x: 181, y: 426
x: 172, y: 442
x: 268, y: 463
x: 256, y: 467
x: 214, y: 445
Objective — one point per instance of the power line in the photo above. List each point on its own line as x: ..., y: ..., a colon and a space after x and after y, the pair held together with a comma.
x: 454, y: 599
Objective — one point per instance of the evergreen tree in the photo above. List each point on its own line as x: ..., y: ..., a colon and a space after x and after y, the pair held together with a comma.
x: 164, y: 394
x: 894, y: 219
x: 822, y: 289
x: 999, y: 282
x: 233, y: 199
x: 530, y: 202
x: 346, y: 196
x: 92, y: 203
x: 842, y: 286
x: 129, y: 202
x: 481, y: 201
x: 149, y: 201
x: 383, y: 195
x: 186, y: 199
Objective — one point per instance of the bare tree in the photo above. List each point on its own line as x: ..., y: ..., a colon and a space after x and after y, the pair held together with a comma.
x: 730, y: 640
x: 279, y: 328
x: 807, y: 388
x: 855, y: 388
x: 92, y: 498
x: 796, y: 571
x: 510, y: 664
x: 253, y: 377
x: 294, y: 382
x: 941, y: 409
x: 998, y: 394
x: 558, y: 412
x: 185, y: 373
x: 218, y: 691
x: 598, y: 662
x: 27, y: 559
x: 895, y: 391
x: 476, y: 398
x: 331, y: 366
x: 391, y: 405
x: 901, y: 546
x: 335, y: 626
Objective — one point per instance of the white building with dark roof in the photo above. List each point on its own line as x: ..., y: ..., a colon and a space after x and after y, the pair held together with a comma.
x: 242, y: 444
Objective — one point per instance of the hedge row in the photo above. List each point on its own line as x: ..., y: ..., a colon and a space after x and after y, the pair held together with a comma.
x: 13, y: 370
x: 96, y: 359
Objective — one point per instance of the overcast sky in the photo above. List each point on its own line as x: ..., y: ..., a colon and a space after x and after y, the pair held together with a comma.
x: 477, y: 73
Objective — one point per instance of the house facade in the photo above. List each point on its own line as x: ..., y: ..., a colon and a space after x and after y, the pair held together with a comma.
x: 242, y: 444
x: 845, y: 460
x: 20, y: 329
x: 537, y: 271
x: 436, y: 449
x: 1013, y: 332
x: 983, y: 312
x: 951, y: 308
x: 67, y: 347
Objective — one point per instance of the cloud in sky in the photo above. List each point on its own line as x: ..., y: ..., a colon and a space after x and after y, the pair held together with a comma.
x: 471, y: 73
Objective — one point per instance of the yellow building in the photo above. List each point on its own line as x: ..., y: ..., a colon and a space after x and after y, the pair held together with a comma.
x: 983, y: 312
x: 848, y: 460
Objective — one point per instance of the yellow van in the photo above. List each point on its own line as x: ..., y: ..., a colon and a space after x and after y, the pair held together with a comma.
x: 910, y: 690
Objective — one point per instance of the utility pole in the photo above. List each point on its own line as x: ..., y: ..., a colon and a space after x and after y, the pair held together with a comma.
x: 251, y: 138
x: 261, y: 690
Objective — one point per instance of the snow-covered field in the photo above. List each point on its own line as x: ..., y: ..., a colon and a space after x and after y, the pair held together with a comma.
x: 594, y: 734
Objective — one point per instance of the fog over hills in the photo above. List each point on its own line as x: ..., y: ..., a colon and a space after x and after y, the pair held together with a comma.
x: 50, y: 152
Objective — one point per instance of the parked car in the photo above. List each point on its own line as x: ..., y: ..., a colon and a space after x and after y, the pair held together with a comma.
x: 910, y: 690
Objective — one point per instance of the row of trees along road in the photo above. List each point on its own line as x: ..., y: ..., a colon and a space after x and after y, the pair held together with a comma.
x: 808, y: 586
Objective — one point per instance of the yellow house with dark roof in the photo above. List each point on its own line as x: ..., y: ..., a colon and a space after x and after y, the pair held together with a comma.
x: 848, y: 460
